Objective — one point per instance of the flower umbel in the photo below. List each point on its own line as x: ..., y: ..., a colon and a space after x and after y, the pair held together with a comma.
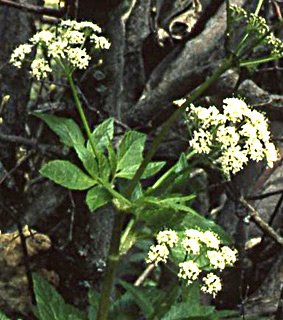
x: 195, y: 255
x: 64, y: 46
x: 233, y: 138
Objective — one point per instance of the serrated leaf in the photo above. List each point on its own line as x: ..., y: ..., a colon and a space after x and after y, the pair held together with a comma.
x: 140, y: 298
x: 3, y: 317
x: 97, y: 197
x: 50, y: 305
x: 68, y: 131
x: 103, y: 167
x: 88, y: 160
x: 102, y: 134
x: 130, y: 150
x: 151, y: 169
x: 67, y: 175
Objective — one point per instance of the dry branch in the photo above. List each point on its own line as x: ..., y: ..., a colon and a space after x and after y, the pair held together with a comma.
x: 33, y: 8
x: 261, y: 223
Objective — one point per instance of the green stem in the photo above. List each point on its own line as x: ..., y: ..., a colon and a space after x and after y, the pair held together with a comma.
x: 113, y: 257
x: 111, y: 266
x: 257, y: 61
x: 81, y: 113
x: 259, y: 4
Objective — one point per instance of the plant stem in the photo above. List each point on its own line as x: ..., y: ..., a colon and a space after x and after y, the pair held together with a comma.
x: 111, y: 266
x: 82, y: 114
x: 113, y: 256
x: 259, y: 4
x: 257, y: 61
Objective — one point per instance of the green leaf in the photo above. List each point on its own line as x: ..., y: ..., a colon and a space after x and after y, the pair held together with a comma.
x: 102, y: 134
x: 188, y: 310
x: 68, y: 131
x: 151, y: 169
x: 103, y: 167
x: 50, y: 305
x: 87, y: 160
x: 3, y: 317
x: 140, y: 298
x: 112, y: 157
x: 164, y: 303
x: 93, y: 300
x: 195, y: 219
x: 97, y: 197
x: 130, y: 150
x: 67, y: 175
x: 158, y: 218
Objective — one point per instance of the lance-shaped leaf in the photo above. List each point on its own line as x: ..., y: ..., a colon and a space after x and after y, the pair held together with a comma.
x: 151, y: 169
x: 68, y: 131
x: 67, y: 175
x: 130, y: 150
x: 87, y: 160
x: 102, y: 134
x: 97, y: 197
x: 50, y: 305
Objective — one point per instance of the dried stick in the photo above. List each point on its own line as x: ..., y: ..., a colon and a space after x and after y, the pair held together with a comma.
x: 144, y: 275
x: 32, y: 8
x: 261, y: 223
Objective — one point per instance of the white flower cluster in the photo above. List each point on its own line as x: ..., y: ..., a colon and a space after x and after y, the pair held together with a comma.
x: 195, y: 244
x: 238, y: 134
x: 258, y: 25
x: 63, y: 45
x: 160, y: 252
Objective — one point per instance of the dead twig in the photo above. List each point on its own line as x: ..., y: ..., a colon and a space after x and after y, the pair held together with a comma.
x: 144, y: 275
x: 261, y: 223
x: 32, y: 8
x: 43, y: 148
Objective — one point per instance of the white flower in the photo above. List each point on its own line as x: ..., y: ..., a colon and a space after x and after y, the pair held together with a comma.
x: 208, y: 116
x: 44, y: 36
x: 78, y: 57
x: 191, y: 246
x: 229, y: 255
x: 74, y: 37
x: 210, y: 239
x: 194, y: 234
x: 168, y: 237
x: 179, y: 102
x: 89, y: 25
x: 227, y: 136
x: 216, y: 259
x: 255, y: 149
x: 233, y: 159
x: 100, y: 42
x: 271, y: 154
x: 57, y: 49
x: 189, y: 271
x: 40, y: 69
x: 201, y: 141
x: 248, y: 130
x: 212, y: 284
x: 158, y: 253
x: 19, y: 54
x: 235, y: 109
x: 73, y: 24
